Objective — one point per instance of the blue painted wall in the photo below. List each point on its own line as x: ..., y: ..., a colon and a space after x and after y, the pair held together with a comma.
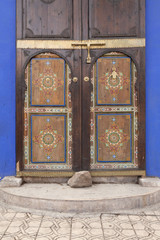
x: 7, y: 87
x: 153, y: 87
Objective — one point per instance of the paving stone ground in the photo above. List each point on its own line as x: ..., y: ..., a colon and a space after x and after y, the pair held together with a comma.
x: 17, y: 224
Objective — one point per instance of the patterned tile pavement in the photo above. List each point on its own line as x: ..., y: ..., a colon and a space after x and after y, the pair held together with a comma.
x: 127, y: 225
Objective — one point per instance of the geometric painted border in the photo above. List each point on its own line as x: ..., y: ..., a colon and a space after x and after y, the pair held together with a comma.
x: 98, y: 114
x: 45, y: 115
x: 112, y: 104
x: 63, y: 105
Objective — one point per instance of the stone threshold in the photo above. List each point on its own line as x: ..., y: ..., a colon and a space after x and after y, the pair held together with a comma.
x: 61, y: 198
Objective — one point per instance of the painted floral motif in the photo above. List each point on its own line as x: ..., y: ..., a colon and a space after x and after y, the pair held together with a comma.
x: 114, y: 81
x: 49, y: 160
x: 114, y: 138
x: 47, y: 82
x: 100, y: 154
x: 48, y: 139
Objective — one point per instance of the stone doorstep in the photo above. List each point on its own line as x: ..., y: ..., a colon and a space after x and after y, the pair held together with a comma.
x: 63, y: 199
x: 95, y: 180
x: 11, y: 181
x: 145, y: 196
x: 149, y: 182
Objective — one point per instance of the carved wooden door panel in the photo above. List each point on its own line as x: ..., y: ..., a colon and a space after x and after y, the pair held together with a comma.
x: 48, y: 93
x: 114, y: 96
x: 80, y: 87
x: 47, y: 114
x: 47, y: 19
x: 114, y: 113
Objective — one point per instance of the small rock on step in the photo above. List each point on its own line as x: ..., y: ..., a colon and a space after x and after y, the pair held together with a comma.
x: 80, y: 179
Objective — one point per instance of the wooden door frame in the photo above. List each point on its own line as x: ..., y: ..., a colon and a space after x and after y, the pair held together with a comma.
x: 137, y: 55
x: 81, y: 151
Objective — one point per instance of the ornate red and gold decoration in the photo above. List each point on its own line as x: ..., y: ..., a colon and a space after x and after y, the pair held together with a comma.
x: 113, y: 81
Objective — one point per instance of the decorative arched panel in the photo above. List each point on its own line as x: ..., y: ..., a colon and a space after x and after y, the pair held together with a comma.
x: 114, y: 113
x: 47, y: 114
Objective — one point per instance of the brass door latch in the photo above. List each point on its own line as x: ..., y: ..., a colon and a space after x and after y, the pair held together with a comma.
x: 88, y: 46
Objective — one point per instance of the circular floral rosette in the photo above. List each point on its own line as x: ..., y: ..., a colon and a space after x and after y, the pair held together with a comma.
x: 114, y: 81
x: 48, y: 139
x: 48, y: 83
x: 114, y: 138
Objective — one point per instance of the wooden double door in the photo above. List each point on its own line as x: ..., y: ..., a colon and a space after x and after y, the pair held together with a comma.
x: 80, y: 87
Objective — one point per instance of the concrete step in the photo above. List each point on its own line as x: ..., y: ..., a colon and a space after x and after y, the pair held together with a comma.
x: 98, y: 198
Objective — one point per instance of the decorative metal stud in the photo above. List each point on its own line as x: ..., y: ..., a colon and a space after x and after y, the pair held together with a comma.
x: 75, y: 79
x: 86, y: 79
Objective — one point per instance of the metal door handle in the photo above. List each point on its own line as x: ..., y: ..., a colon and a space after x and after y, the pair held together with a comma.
x: 88, y: 46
